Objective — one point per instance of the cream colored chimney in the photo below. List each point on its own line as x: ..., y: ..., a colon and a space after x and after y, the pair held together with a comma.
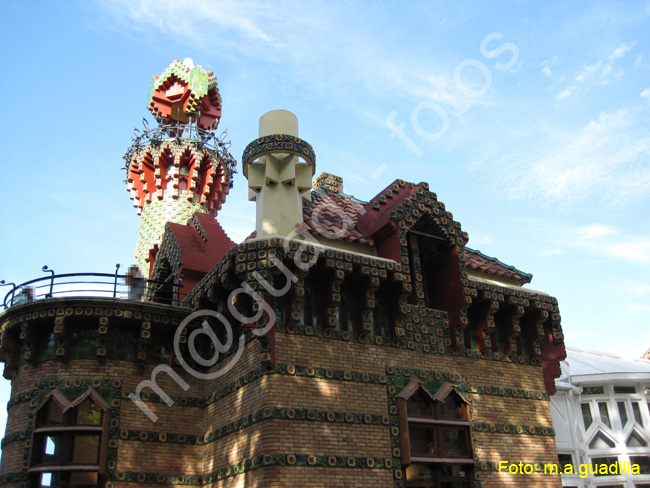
x: 279, y: 167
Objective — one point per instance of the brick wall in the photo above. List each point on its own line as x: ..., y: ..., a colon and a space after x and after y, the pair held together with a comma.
x: 321, y: 415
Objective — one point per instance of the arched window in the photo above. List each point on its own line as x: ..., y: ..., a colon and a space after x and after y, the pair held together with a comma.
x: 69, y: 443
x: 435, y: 439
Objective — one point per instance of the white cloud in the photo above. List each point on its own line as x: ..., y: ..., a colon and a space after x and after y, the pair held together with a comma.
x: 549, y: 252
x: 187, y: 20
x: 588, y: 71
x: 599, y: 72
x: 481, y: 240
x: 310, y: 42
x: 607, y: 159
x: 640, y: 308
x: 638, y: 251
x: 639, y: 289
x: 605, y: 240
x: 621, y: 50
x: 596, y: 230
x: 646, y: 93
x: 546, y: 65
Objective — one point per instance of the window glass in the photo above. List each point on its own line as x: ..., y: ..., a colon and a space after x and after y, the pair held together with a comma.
x: 278, y: 307
x: 643, y: 462
x: 419, y: 472
x: 622, y: 412
x: 523, y: 345
x: 85, y: 449
x: 121, y: 344
x: 83, y: 480
x: 448, y: 475
x: 83, y: 343
x: 601, y: 442
x: 381, y: 316
x: 422, y: 440
x: 604, y: 460
x: 593, y: 390
x: 88, y: 413
x: 49, y: 449
x: 564, y: 460
x: 316, y: 303
x: 452, y: 408
x: 454, y: 443
x: 624, y: 389
x: 348, y: 309
x: 419, y: 406
x: 50, y: 414
x: 637, y: 413
x: 49, y: 479
x: 604, y: 414
x: 586, y: 415
x: 635, y: 440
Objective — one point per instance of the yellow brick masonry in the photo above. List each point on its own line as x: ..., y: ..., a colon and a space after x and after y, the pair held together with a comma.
x: 328, y: 438
x: 308, y: 477
x: 154, y: 457
x: 317, y: 352
x: 300, y: 437
x: 371, y: 398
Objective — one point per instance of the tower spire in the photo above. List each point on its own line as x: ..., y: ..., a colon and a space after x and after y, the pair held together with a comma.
x: 179, y: 167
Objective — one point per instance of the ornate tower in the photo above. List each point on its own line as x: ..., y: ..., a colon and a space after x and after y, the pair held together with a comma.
x: 179, y: 167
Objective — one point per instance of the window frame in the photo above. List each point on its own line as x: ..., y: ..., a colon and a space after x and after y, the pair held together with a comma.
x: 68, y: 431
x: 438, y: 425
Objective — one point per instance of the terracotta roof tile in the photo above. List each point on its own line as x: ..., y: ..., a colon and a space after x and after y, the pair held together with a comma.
x: 336, y: 216
x: 478, y: 261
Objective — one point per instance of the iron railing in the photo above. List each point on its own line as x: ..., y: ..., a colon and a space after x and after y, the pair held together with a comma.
x: 101, y: 285
x: 178, y: 131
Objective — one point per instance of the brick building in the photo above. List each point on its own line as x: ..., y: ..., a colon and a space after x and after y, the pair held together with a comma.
x: 376, y: 349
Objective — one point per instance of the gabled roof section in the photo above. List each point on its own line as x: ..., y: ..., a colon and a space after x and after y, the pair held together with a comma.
x: 440, y: 396
x: 93, y: 395
x: 56, y: 396
x: 412, y: 388
x: 478, y: 261
x: 65, y: 404
x: 330, y: 207
x: 446, y: 389
x: 361, y: 222
x: 337, y: 214
x: 203, y: 242
x: 191, y: 250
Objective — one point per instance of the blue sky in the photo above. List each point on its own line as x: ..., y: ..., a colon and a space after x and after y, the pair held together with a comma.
x: 530, y: 121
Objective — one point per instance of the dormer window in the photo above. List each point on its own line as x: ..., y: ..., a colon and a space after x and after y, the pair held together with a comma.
x: 429, y: 257
x: 435, y: 436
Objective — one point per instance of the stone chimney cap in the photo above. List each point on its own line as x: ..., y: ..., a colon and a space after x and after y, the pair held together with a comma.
x: 278, y: 122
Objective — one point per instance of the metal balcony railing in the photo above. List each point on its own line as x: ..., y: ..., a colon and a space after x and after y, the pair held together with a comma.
x: 101, y: 285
